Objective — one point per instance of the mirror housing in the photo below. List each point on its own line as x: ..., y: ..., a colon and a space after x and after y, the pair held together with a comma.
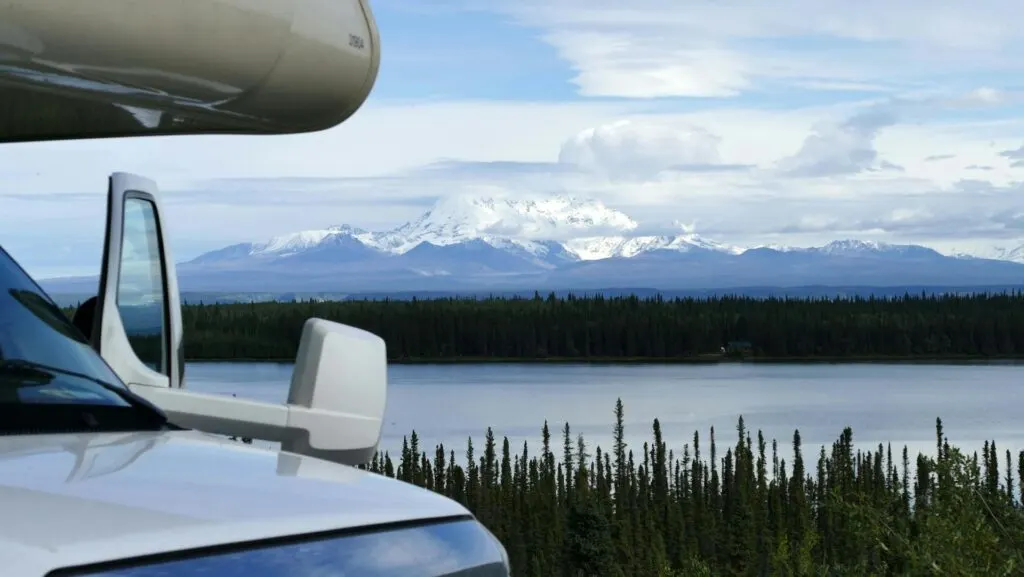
x: 340, y: 378
x: 335, y: 407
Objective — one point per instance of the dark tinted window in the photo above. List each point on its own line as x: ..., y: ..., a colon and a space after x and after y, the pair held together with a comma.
x: 34, y: 331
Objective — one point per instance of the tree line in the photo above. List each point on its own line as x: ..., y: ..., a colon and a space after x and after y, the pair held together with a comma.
x: 595, y: 328
x: 696, y: 511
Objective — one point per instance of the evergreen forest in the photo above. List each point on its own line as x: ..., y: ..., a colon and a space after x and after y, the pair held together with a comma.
x: 744, y: 507
x: 627, y: 328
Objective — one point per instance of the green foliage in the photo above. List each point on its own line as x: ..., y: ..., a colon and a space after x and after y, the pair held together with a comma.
x: 597, y: 328
x: 669, y: 513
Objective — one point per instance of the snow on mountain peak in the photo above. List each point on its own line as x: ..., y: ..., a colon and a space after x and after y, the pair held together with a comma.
x: 850, y: 246
x: 598, y: 248
x: 865, y: 247
x: 460, y: 218
x: 776, y: 247
x: 501, y: 222
x: 347, y: 229
x: 295, y: 242
x: 854, y: 248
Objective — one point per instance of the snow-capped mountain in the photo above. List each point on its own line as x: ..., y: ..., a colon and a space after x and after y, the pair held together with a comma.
x: 549, y: 231
x: 300, y: 241
x: 503, y: 221
x: 863, y: 249
x: 562, y: 242
x: 473, y: 244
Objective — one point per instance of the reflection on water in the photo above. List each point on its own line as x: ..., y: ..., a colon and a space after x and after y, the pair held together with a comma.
x: 882, y: 403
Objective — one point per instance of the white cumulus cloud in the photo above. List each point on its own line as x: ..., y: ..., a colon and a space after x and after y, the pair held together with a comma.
x: 696, y: 48
x: 639, y: 150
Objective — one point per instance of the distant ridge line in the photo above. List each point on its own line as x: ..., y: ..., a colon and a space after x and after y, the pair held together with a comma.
x: 811, y: 291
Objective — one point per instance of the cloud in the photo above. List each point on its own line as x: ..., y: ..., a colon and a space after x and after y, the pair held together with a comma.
x: 607, y: 64
x: 973, y: 210
x: 847, y: 146
x: 383, y: 138
x: 1015, y: 155
x: 900, y: 223
x: 694, y: 48
x: 743, y: 206
x: 639, y: 150
x: 490, y: 215
x: 844, y: 147
x: 986, y: 96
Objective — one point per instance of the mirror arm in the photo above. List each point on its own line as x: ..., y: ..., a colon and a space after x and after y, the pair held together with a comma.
x: 218, y: 414
x: 293, y: 426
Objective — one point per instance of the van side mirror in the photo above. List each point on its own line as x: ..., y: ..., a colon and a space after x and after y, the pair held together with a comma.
x: 338, y: 391
x: 335, y: 407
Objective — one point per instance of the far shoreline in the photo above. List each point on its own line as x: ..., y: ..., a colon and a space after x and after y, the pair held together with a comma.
x: 700, y: 360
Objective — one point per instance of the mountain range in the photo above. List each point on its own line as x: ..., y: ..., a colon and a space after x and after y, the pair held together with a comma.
x: 559, y: 243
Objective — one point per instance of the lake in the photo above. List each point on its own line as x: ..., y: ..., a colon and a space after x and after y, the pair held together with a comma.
x: 881, y: 402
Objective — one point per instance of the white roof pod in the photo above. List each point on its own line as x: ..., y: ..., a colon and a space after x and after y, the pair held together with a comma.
x: 100, y: 68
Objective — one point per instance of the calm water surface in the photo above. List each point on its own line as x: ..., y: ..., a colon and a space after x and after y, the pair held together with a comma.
x: 881, y: 402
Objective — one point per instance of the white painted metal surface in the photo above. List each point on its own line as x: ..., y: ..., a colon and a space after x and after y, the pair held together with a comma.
x: 335, y: 408
x: 68, y: 500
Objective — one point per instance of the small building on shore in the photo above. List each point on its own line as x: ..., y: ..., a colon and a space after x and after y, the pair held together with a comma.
x: 738, y: 348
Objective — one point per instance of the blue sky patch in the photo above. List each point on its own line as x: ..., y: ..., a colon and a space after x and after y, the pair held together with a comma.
x: 470, y: 55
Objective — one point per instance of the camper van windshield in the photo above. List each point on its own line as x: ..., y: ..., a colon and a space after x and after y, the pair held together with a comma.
x: 44, y: 359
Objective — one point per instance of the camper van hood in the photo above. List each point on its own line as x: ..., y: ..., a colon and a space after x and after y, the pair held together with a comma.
x: 69, y: 500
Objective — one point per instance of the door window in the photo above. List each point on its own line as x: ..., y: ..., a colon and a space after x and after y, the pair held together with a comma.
x: 141, y: 294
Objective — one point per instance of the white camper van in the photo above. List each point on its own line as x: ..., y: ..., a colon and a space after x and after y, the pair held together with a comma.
x: 108, y: 466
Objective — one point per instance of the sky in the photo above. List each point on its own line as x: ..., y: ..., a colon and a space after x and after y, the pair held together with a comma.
x: 787, y: 122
